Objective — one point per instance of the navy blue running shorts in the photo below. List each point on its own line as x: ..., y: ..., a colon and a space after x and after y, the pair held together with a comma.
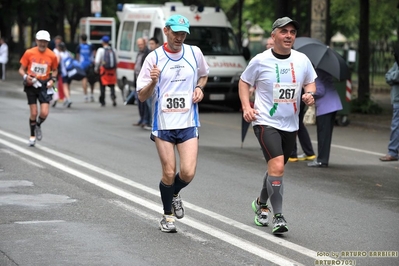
x: 176, y: 136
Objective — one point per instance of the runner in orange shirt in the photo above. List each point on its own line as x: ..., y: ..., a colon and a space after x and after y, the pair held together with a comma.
x: 39, y: 71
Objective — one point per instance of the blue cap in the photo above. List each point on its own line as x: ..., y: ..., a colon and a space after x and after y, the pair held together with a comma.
x: 178, y: 23
x: 105, y: 39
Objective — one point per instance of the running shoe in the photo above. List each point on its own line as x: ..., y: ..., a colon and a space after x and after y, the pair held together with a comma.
x: 32, y: 141
x: 177, y: 207
x: 167, y: 224
x: 292, y: 159
x: 38, y: 132
x: 262, y: 213
x: 304, y: 157
x: 280, y: 224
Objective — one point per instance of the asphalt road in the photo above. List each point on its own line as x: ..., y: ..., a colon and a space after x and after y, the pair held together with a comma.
x: 87, y: 194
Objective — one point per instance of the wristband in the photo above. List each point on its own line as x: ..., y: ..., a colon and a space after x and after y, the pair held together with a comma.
x: 311, y: 93
x: 25, y: 76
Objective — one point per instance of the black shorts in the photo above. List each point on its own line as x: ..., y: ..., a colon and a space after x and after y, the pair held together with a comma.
x: 275, y: 142
x: 33, y: 94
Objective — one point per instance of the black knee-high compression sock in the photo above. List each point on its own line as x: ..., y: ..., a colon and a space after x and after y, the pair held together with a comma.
x: 275, y: 190
x: 32, y: 125
x: 40, y: 121
x: 264, y: 195
x: 166, y: 196
x: 179, y: 184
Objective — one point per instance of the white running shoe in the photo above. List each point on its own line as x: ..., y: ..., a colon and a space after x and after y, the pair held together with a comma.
x: 167, y: 224
x: 32, y: 141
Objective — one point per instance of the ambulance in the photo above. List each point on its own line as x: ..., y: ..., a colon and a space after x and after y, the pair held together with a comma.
x: 210, y: 30
x: 97, y: 27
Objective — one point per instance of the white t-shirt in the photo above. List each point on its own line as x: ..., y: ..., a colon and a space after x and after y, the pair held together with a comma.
x: 172, y: 98
x: 278, y: 84
x: 4, y: 53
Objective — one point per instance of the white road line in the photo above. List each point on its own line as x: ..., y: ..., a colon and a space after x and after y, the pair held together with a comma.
x: 214, y: 232
x: 23, y: 159
x: 220, y: 218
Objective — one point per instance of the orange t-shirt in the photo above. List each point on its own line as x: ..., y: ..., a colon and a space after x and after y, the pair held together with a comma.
x: 39, y: 64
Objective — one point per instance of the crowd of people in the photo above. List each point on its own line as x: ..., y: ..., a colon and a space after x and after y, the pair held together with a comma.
x: 281, y: 78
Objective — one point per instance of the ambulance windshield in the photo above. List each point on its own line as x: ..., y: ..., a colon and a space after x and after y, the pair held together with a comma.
x: 213, y: 40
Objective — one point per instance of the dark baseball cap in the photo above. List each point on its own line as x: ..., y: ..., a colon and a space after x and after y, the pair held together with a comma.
x: 281, y: 22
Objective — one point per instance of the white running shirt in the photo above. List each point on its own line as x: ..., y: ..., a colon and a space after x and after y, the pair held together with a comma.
x: 278, y: 84
x: 172, y: 99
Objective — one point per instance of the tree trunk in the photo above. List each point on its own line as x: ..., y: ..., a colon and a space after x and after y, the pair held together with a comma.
x: 363, y: 89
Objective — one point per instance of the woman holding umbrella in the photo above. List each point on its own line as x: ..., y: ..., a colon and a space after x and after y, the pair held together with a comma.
x: 327, y: 104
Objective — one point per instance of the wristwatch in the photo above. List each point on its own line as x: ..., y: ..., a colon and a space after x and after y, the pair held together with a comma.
x: 201, y: 88
x: 311, y: 93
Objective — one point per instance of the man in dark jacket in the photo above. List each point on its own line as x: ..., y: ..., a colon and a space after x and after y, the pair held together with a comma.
x: 142, y: 54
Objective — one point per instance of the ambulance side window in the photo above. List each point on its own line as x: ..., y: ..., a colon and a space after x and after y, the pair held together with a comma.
x: 127, y: 36
x: 159, y: 35
x: 142, y: 31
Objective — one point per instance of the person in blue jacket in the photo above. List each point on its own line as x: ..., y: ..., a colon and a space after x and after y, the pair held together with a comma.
x: 85, y: 56
x: 327, y: 104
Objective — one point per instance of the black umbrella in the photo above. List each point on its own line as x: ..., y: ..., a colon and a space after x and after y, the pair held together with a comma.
x: 323, y: 57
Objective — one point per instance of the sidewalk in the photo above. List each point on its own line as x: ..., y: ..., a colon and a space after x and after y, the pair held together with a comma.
x: 381, y: 97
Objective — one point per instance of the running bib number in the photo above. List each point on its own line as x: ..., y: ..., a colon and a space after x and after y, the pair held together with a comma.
x: 176, y: 102
x: 285, y: 92
x: 39, y: 69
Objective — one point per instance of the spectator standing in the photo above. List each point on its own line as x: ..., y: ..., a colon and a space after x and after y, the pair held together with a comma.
x: 142, y: 106
x: 269, y: 43
x: 327, y: 105
x: 174, y: 75
x: 392, y: 78
x: 3, y: 58
x: 36, y: 65
x: 107, y: 75
x: 84, y: 55
x: 304, y: 140
x: 57, y: 41
x: 153, y: 44
x: 278, y: 75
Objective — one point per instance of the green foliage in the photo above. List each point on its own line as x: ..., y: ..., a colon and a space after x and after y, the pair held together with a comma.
x: 384, y: 18
x: 366, y: 106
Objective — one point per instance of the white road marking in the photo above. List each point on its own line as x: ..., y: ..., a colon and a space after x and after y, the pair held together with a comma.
x: 40, y: 222
x: 190, y: 222
x: 23, y: 159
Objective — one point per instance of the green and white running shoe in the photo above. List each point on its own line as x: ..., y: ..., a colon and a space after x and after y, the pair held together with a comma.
x: 177, y: 207
x: 280, y: 224
x: 262, y: 213
x: 167, y: 224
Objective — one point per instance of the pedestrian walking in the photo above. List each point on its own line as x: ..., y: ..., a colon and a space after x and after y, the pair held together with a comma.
x: 278, y: 75
x: 57, y: 40
x: 392, y: 78
x: 63, y: 55
x: 3, y: 58
x: 39, y: 71
x: 105, y: 65
x: 84, y: 55
x: 174, y: 75
x: 142, y: 106
x: 328, y: 103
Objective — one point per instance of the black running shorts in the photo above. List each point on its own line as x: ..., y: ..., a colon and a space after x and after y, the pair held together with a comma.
x: 274, y: 142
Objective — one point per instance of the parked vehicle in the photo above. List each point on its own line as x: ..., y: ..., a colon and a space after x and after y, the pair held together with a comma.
x: 210, y: 30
